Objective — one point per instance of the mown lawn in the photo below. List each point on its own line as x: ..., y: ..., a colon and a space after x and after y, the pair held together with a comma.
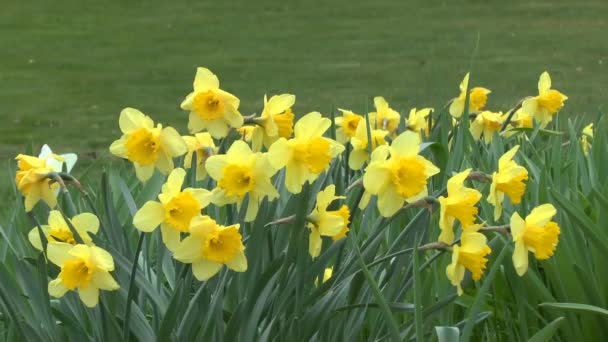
x: 67, y: 68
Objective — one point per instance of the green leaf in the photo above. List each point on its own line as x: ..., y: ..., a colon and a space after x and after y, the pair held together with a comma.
x: 576, y: 307
x: 447, y: 334
x: 546, y: 333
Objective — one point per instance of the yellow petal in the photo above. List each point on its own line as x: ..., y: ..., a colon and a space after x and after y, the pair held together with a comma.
x: 520, y: 258
x: 149, y: 216
x: 104, y: 280
x: 89, y: 295
x: 233, y: 117
x: 173, y: 185
x: 102, y: 258
x: 310, y: 125
x: 238, y: 263
x: 202, y: 196
x: 239, y: 151
x: 189, y: 250
x: 375, y: 178
x: 164, y: 163
x: 280, y: 103
x: 143, y: 173
x: 389, y: 202
x: 295, y: 177
x: 218, y: 128
x: 279, y: 154
x: 314, y: 243
x: 58, y: 252
x: 132, y: 119
x: 172, y: 143
x: 34, y: 237
x: 405, y: 145
x: 119, y: 148
x: 171, y: 237
x: 195, y: 123
x: 357, y: 159
x: 187, y: 102
x: 56, y: 288
x: 205, y: 80
x: 205, y: 269
x: 518, y: 226
x: 544, y: 82
x: 86, y: 222
x: 540, y: 215
x: 457, y: 108
x: 214, y: 166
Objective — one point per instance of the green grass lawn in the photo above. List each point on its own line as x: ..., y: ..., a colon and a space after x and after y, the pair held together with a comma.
x: 67, y: 68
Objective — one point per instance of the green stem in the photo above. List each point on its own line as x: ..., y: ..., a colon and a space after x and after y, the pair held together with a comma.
x: 126, y: 330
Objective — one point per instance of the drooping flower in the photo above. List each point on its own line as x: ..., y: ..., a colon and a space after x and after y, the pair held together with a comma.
x: 486, y: 123
x: 55, y: 161
x: 307, y: 154
x: 537, y: 234
x: 346, y: 125
x: 32, y: 181
x: 323, y: 222
x: 57, y: 230
x: 360, y: 153
x: 385, y: 117
x: 174, y: 211
x: 83, y: 268
x: 211, y: 246
x: 202, y: 144
x: 240, y: 172
x: 546, y: 104
x: 470, y: 255
x: 460, y: 204
x: 402, y: 177
x: 210, y: 107
x: 508, y: 180
x: 585, y: 137
x: 148, y: 147
x: 275, y: 121
x: 478, y: 97
x: 418, y: 121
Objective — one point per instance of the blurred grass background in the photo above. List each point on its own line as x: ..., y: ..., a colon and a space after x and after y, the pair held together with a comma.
x: 67, y: 68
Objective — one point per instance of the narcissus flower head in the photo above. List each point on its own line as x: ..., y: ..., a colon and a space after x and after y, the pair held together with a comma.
x: 478, y: 97
x: 211, y: 246
x: 508, y: 180
x: 386, y: 118
x: 360, y: 153
x: 418, y: 121
x: 460, y: 204
x: 470, y: 255
x: 546, y: 104
x: 537, y: 234
x: 276, y: 121
x: 33, y: 183
x: 586, y: 137
x: 148, y: 147
x: 323, y: 222
x: 83, y: 268
x: 240, y: 172
x: 486, y: 123
x: 174, y: 211
x: 57, y: 230
x: 308, y: 154
x: 210, y: 107
x: 402, y: 177
x: 346, y: 125
x: 203, y: 146
x: 55, y: 161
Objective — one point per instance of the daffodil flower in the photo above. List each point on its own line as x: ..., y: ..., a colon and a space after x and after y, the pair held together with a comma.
x: 546, y: 104
x: 585, y: 137
x: 360, y: 153
x: 275, y: 121
x: 385, y: 117
x: 55, y: 161
x: 83, y: 268
x: 346, y: 125
x: 32, y: 181
x: 418, y: 121
x: 202, y: 144
x: 470, y: 255
x: 323, y: 222
x: 174, y: 211
x: 402, y: 177
x: 210, y: 107
x: 239, y: 172
x: 148, y: 147
x: 486, y: 123
x: 57, y: 230
x: 508, y: 180
x: 308, y: 154
x: 478, y: 97
x: 211, y: 246
x: 537, y: 234
x: 460, y: 204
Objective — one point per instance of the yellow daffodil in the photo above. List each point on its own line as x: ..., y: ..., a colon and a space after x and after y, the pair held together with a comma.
x: 210, y: 107
x: 275, y: 121
x: 55, y: 161
x: 307, y: 154
x: 57, y: 229
x: 83, y: 268
x: 401, y: 178
x: 202, y: 144
x: 246, y: 132
x: 327, y: 273
x: 470, y: 255
x: 323, y: 222
x: 418, y: 121
x: 586, y: 136
x: 360, y: 154
x: 211, y: 246
x: 174, y: 211
x: 508, y: 180
x: 460, y: 204
x: 346, y: 125
x: 31, y: 180
x: 520, y: 119
x: 239, y: 172
x: 478, y: 97
x: 546, y: 104
x: 385, y: 117
x: 145, y: 145
x: 537, y: 234
x: 486, y: 123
